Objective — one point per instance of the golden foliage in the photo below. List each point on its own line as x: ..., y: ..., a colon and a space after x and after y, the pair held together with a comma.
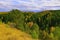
x: 30, y: 24
x: 52, y: 29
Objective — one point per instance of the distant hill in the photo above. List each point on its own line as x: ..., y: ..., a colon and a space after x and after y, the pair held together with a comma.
x: 3, y: 12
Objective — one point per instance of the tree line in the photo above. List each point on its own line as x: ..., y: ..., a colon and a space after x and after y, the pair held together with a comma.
x: 34, y: 23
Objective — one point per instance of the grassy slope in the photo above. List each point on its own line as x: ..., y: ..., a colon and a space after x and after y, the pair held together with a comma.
x: 7, y: 33
x: 3, y: 12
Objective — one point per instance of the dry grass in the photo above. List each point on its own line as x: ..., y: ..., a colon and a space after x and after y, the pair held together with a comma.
x: 3, y: 12
x: 7, y: 33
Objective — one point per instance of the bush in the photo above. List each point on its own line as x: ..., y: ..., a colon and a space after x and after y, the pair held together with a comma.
x: 34, y: 31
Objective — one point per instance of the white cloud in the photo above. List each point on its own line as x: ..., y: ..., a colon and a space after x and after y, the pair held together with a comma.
x: 29, y: 4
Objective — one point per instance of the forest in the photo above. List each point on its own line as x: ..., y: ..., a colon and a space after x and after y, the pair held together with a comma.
x: 43, y: 25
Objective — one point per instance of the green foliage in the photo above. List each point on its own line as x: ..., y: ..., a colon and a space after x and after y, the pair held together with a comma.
x: 17, y: 17
x: 38, y: 25
x: 35, y: 31
x: 57, y: 32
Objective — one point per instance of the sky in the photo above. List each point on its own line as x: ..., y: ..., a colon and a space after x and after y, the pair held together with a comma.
x: 29, y: 5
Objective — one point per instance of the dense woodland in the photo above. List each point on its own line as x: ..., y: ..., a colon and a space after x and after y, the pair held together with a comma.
x: 40, y: 25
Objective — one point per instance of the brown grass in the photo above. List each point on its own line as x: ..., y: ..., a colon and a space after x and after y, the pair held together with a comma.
x: 7, y: 33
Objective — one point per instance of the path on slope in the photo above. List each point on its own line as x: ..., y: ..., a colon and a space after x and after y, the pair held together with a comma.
x: 7, y: 33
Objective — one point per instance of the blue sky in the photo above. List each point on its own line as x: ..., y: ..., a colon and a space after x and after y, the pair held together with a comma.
x: 29, y: 5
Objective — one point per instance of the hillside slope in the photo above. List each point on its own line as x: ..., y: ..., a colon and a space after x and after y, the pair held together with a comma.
x: 7, y: 33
